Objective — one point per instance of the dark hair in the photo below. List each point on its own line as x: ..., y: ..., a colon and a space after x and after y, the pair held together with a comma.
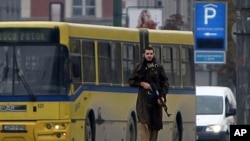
x: 147, y: 48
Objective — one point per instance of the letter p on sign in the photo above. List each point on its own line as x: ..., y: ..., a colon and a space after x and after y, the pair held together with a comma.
x: 210, y: 12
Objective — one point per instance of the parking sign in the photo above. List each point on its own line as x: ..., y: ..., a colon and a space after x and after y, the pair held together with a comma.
x: 211, y: 26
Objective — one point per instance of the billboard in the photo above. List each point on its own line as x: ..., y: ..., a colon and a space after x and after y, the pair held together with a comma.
x: 144, y: 18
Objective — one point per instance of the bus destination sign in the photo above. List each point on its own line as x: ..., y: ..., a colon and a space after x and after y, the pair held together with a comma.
x: 29, y: 35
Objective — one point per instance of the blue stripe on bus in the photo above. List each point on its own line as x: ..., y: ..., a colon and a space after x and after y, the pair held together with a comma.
x: 99, y: 88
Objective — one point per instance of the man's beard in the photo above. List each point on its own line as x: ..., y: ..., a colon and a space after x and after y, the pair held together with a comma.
x: 149, y: 61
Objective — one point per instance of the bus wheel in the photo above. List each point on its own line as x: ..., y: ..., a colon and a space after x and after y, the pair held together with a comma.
x: 89, y: 130
x: 131, y: 133
x: 176, y: 133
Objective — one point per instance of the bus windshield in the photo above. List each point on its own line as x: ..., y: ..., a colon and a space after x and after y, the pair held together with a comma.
x: 33, y: 70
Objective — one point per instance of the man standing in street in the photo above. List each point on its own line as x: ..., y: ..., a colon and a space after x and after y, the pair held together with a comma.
x: 145, y: 76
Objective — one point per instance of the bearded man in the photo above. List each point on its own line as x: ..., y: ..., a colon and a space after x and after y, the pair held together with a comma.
x: 149, y: 107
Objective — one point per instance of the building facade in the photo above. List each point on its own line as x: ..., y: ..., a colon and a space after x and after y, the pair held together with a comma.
x: 176, y: 14
x: 10, y: 10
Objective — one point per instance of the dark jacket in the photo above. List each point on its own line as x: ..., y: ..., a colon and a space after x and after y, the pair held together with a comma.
x: 148, y: 112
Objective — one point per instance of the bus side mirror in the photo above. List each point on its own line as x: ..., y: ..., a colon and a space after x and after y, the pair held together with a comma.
x: 76, y: 70
x: 76, y: 66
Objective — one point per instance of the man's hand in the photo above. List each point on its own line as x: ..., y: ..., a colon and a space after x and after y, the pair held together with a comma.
x: 161, y: 101
x: 146, y: 85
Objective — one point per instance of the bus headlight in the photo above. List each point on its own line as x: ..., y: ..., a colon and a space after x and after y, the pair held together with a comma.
x: 56, y: 126
x: 213, y: 128
x: 60, y: 126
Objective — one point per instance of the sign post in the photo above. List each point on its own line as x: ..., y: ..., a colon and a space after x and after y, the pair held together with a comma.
x: 210, y: 32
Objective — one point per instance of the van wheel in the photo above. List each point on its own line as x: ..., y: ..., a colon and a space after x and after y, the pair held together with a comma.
x: 176, y: 134
x: 131, y: 133
x: 89, y: 129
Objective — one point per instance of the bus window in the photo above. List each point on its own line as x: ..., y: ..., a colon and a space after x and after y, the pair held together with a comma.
x: 157, y: 50
x: 176, y: 66
x: 186, y: 67
x: 88, y: 61
x: 75, y: 57
x: 116, y: 66
x: 104, y: 62
x: 171, y: 64
x: 75, y: 45
x: 129, y: 60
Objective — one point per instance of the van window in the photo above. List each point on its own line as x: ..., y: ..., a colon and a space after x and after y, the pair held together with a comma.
x: 209, y: 105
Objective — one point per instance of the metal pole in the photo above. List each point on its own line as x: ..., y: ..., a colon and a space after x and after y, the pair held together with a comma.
x: 239, y: 72
x: 117, y: 12
x: 242, y: 62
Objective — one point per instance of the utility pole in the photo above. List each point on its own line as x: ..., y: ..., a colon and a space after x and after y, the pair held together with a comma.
x: 243, y: 60
x: 117, y: 12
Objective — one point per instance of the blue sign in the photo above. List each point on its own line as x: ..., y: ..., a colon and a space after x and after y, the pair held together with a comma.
x: 210, y: 57
x: 210, y: 26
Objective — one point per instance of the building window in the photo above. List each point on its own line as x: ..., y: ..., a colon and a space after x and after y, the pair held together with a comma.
x: 159, y: 3
x: 90, y: 7
x: 84, y: 7
x: 77, y: 7
x: 77, y: 2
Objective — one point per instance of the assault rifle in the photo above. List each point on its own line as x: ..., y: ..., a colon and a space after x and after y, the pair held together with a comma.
x: 157, y: 94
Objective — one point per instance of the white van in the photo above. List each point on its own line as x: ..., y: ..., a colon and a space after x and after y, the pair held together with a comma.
x: 216, y: 110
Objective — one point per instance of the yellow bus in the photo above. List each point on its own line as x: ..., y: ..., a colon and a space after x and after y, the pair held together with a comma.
x: 68, y: 82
